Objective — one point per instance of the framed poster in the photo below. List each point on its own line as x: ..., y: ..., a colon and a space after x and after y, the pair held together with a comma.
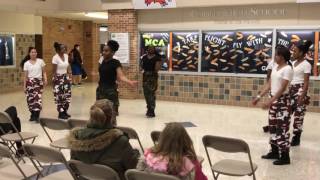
x: 161, y: 42
x: 7, y: 50
x: 123, y: 54
x: 185, y: 51
x: 289, y: 39
x: 217, y: 52
x: 253, y: 51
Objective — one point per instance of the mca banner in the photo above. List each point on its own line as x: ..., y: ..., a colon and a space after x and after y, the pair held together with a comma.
x: 154, y: 4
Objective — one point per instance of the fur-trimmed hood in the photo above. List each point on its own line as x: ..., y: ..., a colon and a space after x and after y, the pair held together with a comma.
x: 89, y: 139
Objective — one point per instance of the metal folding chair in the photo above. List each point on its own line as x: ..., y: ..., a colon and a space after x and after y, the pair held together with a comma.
x: 228, y: 166
x: 92, y: 171
x: 133, y: 174
x: 16, y: 170
x: 55, y: 124
x: 49, y: 155
x: 11, y: 138
x: 132, y: 134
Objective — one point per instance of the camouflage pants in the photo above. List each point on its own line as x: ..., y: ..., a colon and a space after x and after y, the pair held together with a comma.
x: 62, y: 91
x: 297, y: 111
x: 112, y: 95
x: 279, y: 123
x: 34, y: 89
x: 150, y: 86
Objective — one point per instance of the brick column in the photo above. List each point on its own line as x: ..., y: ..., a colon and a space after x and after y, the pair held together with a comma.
x: 91, y: 50
x: 122, y: 21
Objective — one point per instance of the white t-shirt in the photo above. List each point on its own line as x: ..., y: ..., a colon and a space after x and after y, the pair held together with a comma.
x: 62, y: 66
x: 270, y: 65
x: 298, y: 72
x: 34, y: 70
x: 285, y: 73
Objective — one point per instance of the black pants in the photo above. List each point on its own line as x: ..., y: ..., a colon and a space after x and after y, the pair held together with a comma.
x: 12, y: 112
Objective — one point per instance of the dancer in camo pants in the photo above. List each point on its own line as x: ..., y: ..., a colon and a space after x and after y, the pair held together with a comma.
x: 34, y: 79
x: 299, y: 88
x: 62, y: 92
x: 61, y: 81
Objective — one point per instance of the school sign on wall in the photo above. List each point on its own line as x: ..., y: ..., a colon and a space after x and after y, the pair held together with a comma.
x: 154, y: 4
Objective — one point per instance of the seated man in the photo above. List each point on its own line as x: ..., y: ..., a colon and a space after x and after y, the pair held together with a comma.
x: 101, y: 143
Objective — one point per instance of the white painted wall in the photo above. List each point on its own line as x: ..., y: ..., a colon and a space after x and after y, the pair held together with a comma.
x: 302, y: 15
x: 20, y: 23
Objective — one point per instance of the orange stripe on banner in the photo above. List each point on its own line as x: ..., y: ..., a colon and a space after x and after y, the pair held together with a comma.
x: 170, y: 60
x: 316, y: 54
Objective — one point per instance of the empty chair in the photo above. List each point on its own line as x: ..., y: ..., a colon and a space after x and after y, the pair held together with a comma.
x: 227, y: 166
x: 132, y: 134
x: 48, y: 155
x: 77, y: 123
x: 16, y: 170
x: 11, y: 138
x: 55, y: 124
x: 133, y: 174
x: 155, y: 135
x: 92, y: 171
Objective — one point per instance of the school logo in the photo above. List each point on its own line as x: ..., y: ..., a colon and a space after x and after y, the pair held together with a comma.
x: 161, y: 2
x: 154, y: 4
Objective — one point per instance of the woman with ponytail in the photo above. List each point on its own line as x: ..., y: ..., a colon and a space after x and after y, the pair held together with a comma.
x: 101, y: 143
x: 279, y: 107
x: 61, y: 80
x: 299, y: 88
x: 35, y: 78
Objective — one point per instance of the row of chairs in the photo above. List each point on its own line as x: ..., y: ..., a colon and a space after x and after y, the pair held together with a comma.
x: 226, y: 167
x: 74, y: 169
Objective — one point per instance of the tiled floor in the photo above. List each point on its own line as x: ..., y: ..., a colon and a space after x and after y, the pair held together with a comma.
x: 244, y: 123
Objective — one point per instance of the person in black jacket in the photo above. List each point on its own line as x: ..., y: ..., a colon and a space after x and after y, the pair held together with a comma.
x: 101, y: 143
x: 5, y: 128
x: 76, y: 64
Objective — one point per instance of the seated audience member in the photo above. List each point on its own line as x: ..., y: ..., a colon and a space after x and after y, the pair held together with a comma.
x: 101, y: 143
x: 173, y: 155
x: 5, y: 128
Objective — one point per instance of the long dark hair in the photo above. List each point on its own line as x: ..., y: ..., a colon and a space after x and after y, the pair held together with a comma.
x: 27, y: 57
x: 285, y: 53
x: 57, y: 46
x: 304, y: 46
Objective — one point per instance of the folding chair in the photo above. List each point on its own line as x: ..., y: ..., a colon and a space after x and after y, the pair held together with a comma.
x: 49, y: 155
x: 155, y: 135
x: 77, y: 123
x: 132, y: 134
x: 134, y: 174
x: 92, y: 171
x: 15, y: 171
x: 11, y: 138
x: 227, y: 166
x: 55, y: 124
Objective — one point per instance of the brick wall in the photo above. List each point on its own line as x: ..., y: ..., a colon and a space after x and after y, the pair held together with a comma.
x: 235, y: 91
x: 11, y: 78
x: 126, y: 21
x: 68, y: 32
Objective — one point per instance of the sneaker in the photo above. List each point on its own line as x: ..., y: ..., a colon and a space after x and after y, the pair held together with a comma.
x: 62, y: 116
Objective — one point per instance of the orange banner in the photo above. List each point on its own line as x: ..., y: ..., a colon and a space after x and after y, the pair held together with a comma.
x: 170, y: 60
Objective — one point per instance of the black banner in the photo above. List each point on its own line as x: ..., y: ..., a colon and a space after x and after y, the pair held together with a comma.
x: 185, y: 48
x: 253, y: 51
x: 161, y: 42
x: 217, y: 53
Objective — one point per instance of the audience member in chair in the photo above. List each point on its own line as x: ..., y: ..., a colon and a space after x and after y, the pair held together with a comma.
x: 173, y: 155
x: 101, y: 143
